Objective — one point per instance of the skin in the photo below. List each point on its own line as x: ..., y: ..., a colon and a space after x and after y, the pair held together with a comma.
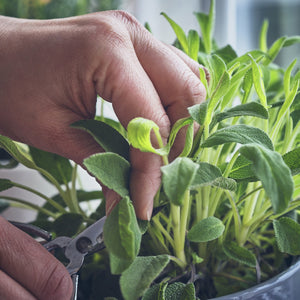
x: 51, y: 72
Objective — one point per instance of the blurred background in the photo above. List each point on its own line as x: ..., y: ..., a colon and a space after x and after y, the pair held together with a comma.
x: 238, y: 23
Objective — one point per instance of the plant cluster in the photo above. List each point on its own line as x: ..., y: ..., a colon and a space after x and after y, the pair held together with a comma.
x: 226, y: 215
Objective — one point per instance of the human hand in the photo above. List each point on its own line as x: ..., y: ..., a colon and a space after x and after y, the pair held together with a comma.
x: 52, y: 70
x: 27, y: 270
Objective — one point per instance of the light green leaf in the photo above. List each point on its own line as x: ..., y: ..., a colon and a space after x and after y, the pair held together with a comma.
x: 206, y: 230
x: 111, y: 169
x: 263, y: 46
x: 5, y: 184
x: 105, y: 135
x: 204, y: 80
x: 122, y: 235
x: 292, y: 160
x: 287, y: 77
x: 242, y: 134
x: 274, y: 174
x: 59, y: 167
x: 177, y: 178
x: 208, y: 174
x: 17, y: 151
x: 193, y: 44
x: 240, y: 254
x: 287, y: 233
x: 198, y: 112
x: 259, y: 83
x: 274, y: 50
x: 138, y: 277
x: 206, y: 23
x: 217, y: 68
x: 139, y: 136
x: 249, y: 109
x: 176, y: 127
x: 179, y: 33
x: 247, y: 85
x: 227, y: 53
x: 189, y: 138
x: 291, y: 40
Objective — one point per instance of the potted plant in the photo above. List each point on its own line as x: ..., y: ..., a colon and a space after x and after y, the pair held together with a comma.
x: 226, y: 216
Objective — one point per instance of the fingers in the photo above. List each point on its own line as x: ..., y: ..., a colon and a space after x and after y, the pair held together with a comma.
x: 26, y: 265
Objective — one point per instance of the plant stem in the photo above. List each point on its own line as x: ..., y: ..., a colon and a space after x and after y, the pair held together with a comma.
x: 51, y: 201
x: 157, y: 223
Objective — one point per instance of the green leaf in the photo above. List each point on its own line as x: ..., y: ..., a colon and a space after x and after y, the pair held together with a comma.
x: 193, y: 44
x: 287, y: 233
x: 249, y: 109
x: 156, y: 291
x: 274, y: 50
x: 287, y: 77
x: 59, y: 167
x: 139, y: 136
x: 208, y: 174
x: 206, y: 23
x: 177, y: 178
x: 179, y: 33
x: 242, y: 169
x: 122, y: 235
x: 106, y: 136
x: 227, y: 53
x: 189, y: 138
x: 206, y: 230
x: 217, y: 68
x: 274, y: 174
x: 117, y: 264
x: 240, y: 254
x: 247, y: 85
x: 176, y: 127
x: 263, y: 46
x: 111, y: 169
x: 242, y: 134
x: 291, y: 40
x: 198, y: 112
x: 17, y: 151
x: 180, y: 291
x: 138, y: 277
x: 292, y: 160
x: 258, y: 82
x: 5, y: 184
x: 67, y: 224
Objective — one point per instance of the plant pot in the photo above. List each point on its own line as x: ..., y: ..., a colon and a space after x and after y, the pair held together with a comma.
x: 283, y: 286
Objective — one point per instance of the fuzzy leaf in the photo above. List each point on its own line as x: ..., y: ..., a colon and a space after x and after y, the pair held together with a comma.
x: 117, y: 264
x: 249, y: 109
x: 198, y: 112
x: 106, y: 136
x: 292, y: 159
x: 111, y: 169
x: 156, y: 291
x: 122, y: 235
x: 177, y: 178
x: 67, y: 224
x: 242, y: 169
x: 176, y: 127
x: 274, y: 174
x: 5, y: 184
x: 287, y: 232
x: 139, y: 136
x: 275, y: 49
x: 206, y: 230
x: 59, y: 167
x: 247, y: 85
x: 227, y: 53
x: 240, y: 254
x: 208, y: 174
x: 138, y: 277
x: 242, y: 134
x: 180, y: 291
x: 179, y: 33
x: 189, y: 138
x: 193, y: 44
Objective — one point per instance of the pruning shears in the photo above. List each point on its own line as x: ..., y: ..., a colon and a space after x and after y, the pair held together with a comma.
x: 75, y: 249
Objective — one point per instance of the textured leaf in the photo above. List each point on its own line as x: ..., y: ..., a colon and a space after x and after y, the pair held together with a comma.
x: 242, y: 134
x: 208, y: 174
x: 176, y: 127
x: 242, y: 169
x: 122, y: 235
x: 139, y: 136
x: 240, y: 254
x: 177, y: 178
x: 206, y: 230
x: 180, y: 291
x: 274, y: 174
x: 111, y: 169
x: 106, y: 136
x: 67, y: 224
x: 227, y: 53
x: 198, y: 112
x: 292, y: 159
x: 275, y: 49
x: 287, y: 232
x: 59, y: 167
x: 117, y: 264
x: 249, y: 109
x: 193, y: 44
x: 138, y: 277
